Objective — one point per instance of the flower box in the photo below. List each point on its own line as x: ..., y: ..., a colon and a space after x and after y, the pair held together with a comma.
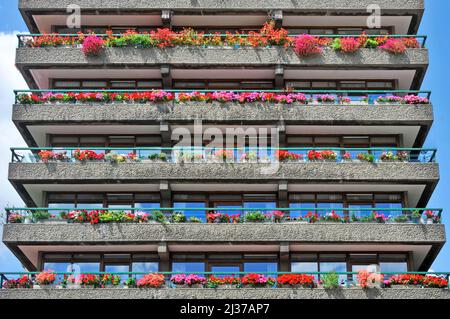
x: 226, y: 286
x: 405, y: 286
x: 36, y: 286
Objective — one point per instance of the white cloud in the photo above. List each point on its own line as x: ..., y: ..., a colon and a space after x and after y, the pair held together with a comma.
x: 10, y: 79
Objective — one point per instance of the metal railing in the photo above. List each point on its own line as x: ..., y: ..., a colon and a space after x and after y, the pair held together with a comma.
x: 27, y: 39
x: 224, y: 215
x: 311, y: 96
x: 345, y: 279
x: 188, y: 154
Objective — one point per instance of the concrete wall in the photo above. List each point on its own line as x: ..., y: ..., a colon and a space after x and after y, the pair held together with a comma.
x: 223, y: 173
x: 228, y: 112
x: 275, y: 233
x: 195, y: 56
x: 229, y: 4
x: 260, y: 293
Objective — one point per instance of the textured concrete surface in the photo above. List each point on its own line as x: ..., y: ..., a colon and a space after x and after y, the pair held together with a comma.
x: 196, y: 172
x: 288, y: 232
x: 228, y: 4
x: 195, y: 56
x: 228, y: 112
x: 260, y: 293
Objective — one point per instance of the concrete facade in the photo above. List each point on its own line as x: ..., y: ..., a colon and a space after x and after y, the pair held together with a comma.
x: 241, y: 233
x: 260, y: 293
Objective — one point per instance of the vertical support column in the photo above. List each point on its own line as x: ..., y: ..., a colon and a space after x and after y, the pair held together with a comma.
x: 285, y: 264
x: 166, y: 194
x: 164, y: 257
x: 283, y: 194
x: 279, y: 77
x: 277, y: 16
x: 166, y: 76
x: 166, y: 137
x: 166, y: 17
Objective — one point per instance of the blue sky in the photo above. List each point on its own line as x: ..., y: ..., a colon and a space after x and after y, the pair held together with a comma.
x: 434, y: 24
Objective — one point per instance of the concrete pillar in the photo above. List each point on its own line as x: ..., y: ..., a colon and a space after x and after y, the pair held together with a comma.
x: 164, y: 257
x: 166, y: 17
x: 166, y: 76
x: 285, y: 262
x: 166, y: 194
x: 277, y: 16
x: 282, y: 141
x: 283, y: 194
x: 279, y: 77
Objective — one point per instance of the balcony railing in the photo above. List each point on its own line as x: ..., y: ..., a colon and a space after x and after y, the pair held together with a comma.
x: 213, y: 280
x: 222, y: 155
x: 305, y: 97
x: 162, y: 38
x: 225, y: 215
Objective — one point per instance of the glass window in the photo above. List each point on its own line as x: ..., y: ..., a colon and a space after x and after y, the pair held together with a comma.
x: 229, y: 270
x: 303, y: 211
x: 260, y: 267
x: 393, y: 267
x: 145, y: 267
x: 83, y: 267
x: 390, y: 213
x: 150, y: 206
x: 188, y: 267
x: 180, y: 206
x: 337, y: 267
x: 117, y: 269
x: 58, y: 267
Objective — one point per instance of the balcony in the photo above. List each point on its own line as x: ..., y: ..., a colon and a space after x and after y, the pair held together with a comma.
x: 166, y: 285
x: 34, y: 170
x: 405, y: 17
x: 44, y: 57
x: 409, y: 112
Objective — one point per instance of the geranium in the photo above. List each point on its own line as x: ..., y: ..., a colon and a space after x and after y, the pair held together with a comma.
x: 214, y: 282
x: 284, y: 156
x: 306, y: 45
x: 22, y: 282
x: 321, y: 155
x: 278, y: 216
x: 325, y: 98
x: 257, y: 280
x: 407, y: 279
x: 435, y: 282
x: 380, y: 218
x: 46, y: 156
x: 366, y: 157
x: 311, y: 217
x: 389, y: 99
x: 332, y: 217
x: 88, y: 280
x: 92, y: 45
x: 414, y: 99
x: 151, y: 281
x: 194, y: 280
x: 87, y: 155
x: 368, y: 279
x: 347, y: 45
x: 394, y: 46
x: 178, y: 279
x: 15, y: 219
x: 224, y: 155
x: 45, y: 278
x: 347, y: 156
x: 110, y: 280
x: 305, y: 281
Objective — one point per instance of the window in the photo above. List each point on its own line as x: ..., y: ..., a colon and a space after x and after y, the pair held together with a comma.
x: 188, y: 267
x: 261, y: 267
x: 180, y: 207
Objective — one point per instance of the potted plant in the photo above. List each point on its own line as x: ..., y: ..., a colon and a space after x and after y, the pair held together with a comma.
x: 330, y: 280
x: 430, y: 217
x: 41, y: 216
x: 228, y: 282
x: 22, y: 283
x: 179, y: 281
x: 158, y: 157
x: 366, y: 157
x: 15, y: 218
x: 366, y: 279
x: 195, y: 220
x: 257, y: 281
x: 130, y: 283
x: 45, y: 280
x: 255, y: 217
x: 195, y: 281
x: 311, y: 217
x: 110, y: 281
x: 178, y: 218
x: 415, y: 216
x: 88, y: 281
x: 151, y: 281
x: 380, y: 218
x: 159, y: 217
x: 401, y: 218
x: 403, y: 281
x: 278, y: 216
x: 332, y: 217
x: 296, y: 281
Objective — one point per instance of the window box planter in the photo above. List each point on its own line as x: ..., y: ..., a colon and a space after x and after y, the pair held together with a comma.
x: 429, y: 221
x: 406, y: 286
x: 226, y: 286
x: 50, y: 221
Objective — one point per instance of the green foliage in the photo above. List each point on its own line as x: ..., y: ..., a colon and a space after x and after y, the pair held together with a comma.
x: 330, y: 280
x: 159, y: 217
x: 401, y: 219
x: 255, y: 217
x: 39, y: 215
x: 336, y: 44
x: 371, y: 44
x: 178, y: 217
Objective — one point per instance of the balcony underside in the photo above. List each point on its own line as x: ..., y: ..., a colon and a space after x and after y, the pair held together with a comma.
x: 38, y: 65
x: 28, y: 241
x: 35, y: 122
x: 260, y: 293
x: 40, y: 15
x: 32, y: 179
